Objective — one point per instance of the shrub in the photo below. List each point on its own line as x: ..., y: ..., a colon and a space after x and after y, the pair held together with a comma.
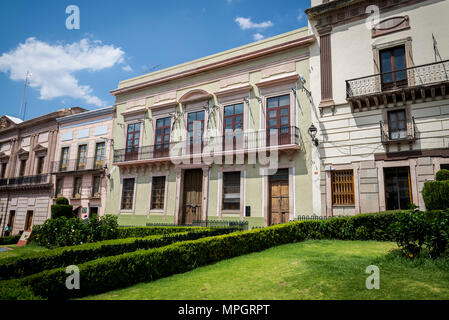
x: 62, y: 231
x: 62, y: 210
x: 417, y: 230
x: 436, y: 195
x: 9, y: 240
x: 442, y: 175
x: 62, y: 200
x: 18, y: 267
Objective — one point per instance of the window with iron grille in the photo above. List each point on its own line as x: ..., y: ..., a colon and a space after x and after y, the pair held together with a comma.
x: 342, y: 187
x: 127, y: 194
x: 231, y: 190
x: 158, y: 193
x: 59, y: 184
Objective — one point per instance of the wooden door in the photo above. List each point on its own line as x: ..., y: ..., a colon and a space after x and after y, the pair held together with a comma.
x: 12, y: 216
x: 279, y: 201
x: 29, y: 220
x: 132, y: 142
x: 192, y: 196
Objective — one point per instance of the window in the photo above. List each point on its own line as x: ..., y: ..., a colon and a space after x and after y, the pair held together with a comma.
x: 233, y: 125
x: 64, y: 162
x: 77, y: 188
x: 127, y: 194
x: 342, y: 187
x: 444, y: 166
x: 59, y: 185
x: 158, y: 193
x: 162, y: 137
x: 82, y: 153
x: 96, y: 182
x: 278, y: 118
x: 192, y: 119
x: 392, y: 65
x: 397, y: 124
x: 231, y: 190
x: 99, y: 155
x: 22, y: 167
x: 132, y: 141
x: 40, y: 165
x: 398, y: 191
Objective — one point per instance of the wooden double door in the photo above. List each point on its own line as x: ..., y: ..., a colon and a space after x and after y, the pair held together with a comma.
x: 192, y: 196
x: 279, y: 205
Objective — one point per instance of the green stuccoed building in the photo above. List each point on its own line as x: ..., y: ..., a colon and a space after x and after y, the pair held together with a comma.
x: 218, y: 138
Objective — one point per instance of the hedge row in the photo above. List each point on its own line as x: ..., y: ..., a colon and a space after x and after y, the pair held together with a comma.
x: 114, y: 272
x: 135, y: 232
x: 119, y: 271
x: 16, y: 267
x: 9, y: 240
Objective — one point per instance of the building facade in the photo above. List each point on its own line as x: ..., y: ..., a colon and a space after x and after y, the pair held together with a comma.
x: 201, y: 140
x: 81, y: 160
x: 379, y: 84
x: 27, y: 149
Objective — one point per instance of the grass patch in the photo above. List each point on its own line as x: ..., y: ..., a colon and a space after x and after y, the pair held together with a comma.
x: 315, y: 269
x: 23, y: 251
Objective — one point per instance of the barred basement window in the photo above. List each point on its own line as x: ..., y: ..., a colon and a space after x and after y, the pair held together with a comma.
x: 127, y: 194
x: 158, y: 193
x: 231, y: 190
x: 342, y: 187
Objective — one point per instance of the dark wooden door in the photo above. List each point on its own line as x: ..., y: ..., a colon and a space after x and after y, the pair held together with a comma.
x: 162, y: 138
x: 12, y: 216
x: 398, y: 191
x: 195, y: 138
x: 29, y: 220
x: 392, y: 67
x: 192, y: 196
x: 279, y: 201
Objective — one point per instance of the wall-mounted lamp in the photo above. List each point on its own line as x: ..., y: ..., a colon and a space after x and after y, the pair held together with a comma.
x: 312, y: 132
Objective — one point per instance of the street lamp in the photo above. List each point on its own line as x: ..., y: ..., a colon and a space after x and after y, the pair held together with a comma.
x: 312, y: 132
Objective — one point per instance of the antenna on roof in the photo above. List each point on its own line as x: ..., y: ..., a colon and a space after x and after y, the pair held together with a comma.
x: 23, y: 104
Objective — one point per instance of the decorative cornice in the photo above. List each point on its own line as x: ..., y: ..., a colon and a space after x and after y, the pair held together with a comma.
x: 278, y: 81
x: 85, y: 115
x: 233, y: 91
x: 133, y: 112
x: 195, y: 95
x: 301, y: 42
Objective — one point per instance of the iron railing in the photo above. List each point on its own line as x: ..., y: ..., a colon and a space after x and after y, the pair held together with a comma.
x: 233, y: 224
x: 315, y: 217
x: 26, y: 180
x: 78, y: 165
x: 425, y: 74
x: 235, y: 141
x: 409, y: 134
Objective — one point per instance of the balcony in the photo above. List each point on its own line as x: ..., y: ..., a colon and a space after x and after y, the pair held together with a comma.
x: 78, y: 166
x: 286, y: 140
x: 419, y: 83
x: 399, y: 136
x: 25, y: 182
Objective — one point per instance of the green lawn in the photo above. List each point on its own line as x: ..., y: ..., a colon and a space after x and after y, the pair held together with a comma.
x: 325, y: 269
x: 21, y: 251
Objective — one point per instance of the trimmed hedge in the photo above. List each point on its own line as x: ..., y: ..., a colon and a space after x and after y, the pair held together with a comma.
x: 16, y: 267
x: 436, y: 195
x: 114, y: 272
x: 135, y: 232
x: 9, y: 240
x: 442, y: 175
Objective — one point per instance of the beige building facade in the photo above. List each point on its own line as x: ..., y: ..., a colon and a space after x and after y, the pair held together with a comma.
x: 379, y: 82
x: 27, y: 150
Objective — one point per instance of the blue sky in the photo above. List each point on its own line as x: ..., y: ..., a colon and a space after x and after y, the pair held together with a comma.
x: 118, y: 40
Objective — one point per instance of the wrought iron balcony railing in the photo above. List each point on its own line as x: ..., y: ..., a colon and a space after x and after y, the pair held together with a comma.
x: 406, y: 134
x: 238, y: 141
x: 422, y: 75
x: 25, y: 181
x: 78, y: 165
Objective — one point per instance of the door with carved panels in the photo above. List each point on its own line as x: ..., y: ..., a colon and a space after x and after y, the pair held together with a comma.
x: 279, y: 197
x: 192, y: 196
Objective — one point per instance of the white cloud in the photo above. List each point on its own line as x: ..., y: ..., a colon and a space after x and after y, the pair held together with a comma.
x: 300, y: 15
x: 246, y: 23
x: 258, y: 36
x: 53, y: 66
x: 127, y: 68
